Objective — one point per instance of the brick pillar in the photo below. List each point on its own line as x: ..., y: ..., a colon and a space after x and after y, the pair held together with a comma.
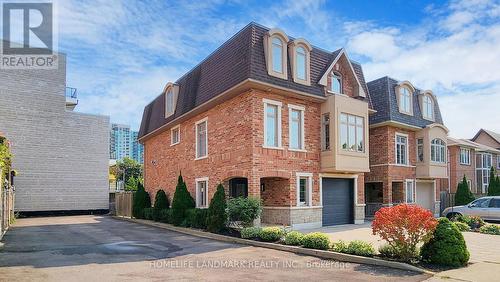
x: 387, y: 188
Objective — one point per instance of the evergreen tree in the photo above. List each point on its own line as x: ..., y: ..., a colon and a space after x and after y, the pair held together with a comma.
x: 161, y: 203
x: 181, y: 202
x: 131, y: 184
x: 141, y: 200
x: 494, y: 185
x: 463, y: 195
x: 217, y: 214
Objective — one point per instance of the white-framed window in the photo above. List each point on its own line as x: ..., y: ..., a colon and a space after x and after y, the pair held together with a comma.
x: 301, y: 59
x: 483, y: 167
x: 325, y: 132
x: 169, y: 101
x: 428, y: 107
x: 304, y: 189
x: 296, y: 127
x: 420, y: 150
x: 405, y: 100
x: 175, y: 135
x: 336, y: 83
x: 402, y: 149
x: 201, y: 192
x: 464, y: 156
x: 410, y: 190
x: 272, y: 124
x: 352, y: 133
x: 498, y: 161
x: 201, y: 138
x: 277, y: 54
x: 438, y: 151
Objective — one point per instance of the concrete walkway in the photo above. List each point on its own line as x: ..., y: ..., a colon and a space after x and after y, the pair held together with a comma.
x: 100, y: 248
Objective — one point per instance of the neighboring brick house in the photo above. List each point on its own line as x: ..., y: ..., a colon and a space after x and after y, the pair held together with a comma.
x: 407, y: 147
x: 488, y: 138
x: 473, y: 160
x: 269, y: 116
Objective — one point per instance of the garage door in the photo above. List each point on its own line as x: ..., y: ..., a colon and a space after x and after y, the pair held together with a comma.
x: 338, y: 201
x: 425, y: 195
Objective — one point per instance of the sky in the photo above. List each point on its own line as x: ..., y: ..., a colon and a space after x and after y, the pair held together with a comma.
x: 122, y: 53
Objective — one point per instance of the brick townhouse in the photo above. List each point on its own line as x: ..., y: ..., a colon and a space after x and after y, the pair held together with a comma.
x: 474, y: 160
x: 488, y: 138
x: 407, y: 147
x: 269, y: 116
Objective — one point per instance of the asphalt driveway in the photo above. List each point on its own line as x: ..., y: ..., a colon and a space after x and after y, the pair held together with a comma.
x: 100, y: 248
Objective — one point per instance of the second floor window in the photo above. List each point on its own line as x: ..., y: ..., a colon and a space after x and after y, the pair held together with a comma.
x: 296, y: 128
x: 420, y: 150
x: 438, y: 151
x: 272, y: 124
x: 405, y: 100
x: 401, y: 149
x: 301, y: 63
x: 464, y: 156
x: 352, y: 133
x: 201, y: 139
x: 170, y: 102
x: 175, y: 135
x: 277, y: 54
x: 325, y: 132
x: 428, y: 108
x: 336, y: 85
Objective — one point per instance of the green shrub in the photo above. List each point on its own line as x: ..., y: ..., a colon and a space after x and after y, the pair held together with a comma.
x: 196, y: 218
x: 316, y: 240
x: 148, y: 213
x: 166, y: 216
x: 463, y: 195
x: 490, y: 229
x: 447, y: 246
x: 339, y: 246
x: 243, y: 211
x: 250, y: 232
x: 140, y: 201
x: 271, y: 234
x: 360, y: 248
x: 474, y: 222
x: 494, y: 185
x: 181, y: 202
x: 217, y: 214
x: 463, y: 227
x: 161, y: 202
x: 388, y: 251
x: 294, y: 238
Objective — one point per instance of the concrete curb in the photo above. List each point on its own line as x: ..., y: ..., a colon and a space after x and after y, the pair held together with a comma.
x: 292, y: 249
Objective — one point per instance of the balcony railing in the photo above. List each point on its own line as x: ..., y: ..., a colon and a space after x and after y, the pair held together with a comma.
x: 71, y: 92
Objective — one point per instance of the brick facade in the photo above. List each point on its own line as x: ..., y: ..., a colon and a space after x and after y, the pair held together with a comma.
x: 458, y: 170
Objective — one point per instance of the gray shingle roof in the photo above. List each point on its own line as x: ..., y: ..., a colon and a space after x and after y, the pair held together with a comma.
x: 240, y: 58
x: 495, y: 136
x: 384, y: 101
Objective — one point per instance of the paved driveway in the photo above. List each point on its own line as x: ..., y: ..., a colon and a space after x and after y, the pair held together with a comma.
x: 100, y: 248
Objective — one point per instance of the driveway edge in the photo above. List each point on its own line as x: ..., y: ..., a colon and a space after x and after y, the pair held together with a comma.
x: 292, y: 249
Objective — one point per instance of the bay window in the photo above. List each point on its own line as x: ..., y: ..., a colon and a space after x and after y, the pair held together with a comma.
x: 420, y: 150
x: 438, y: 151
x: 352, y: 133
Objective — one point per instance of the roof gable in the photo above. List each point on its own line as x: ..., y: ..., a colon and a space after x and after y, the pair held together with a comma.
x: 493, y: 135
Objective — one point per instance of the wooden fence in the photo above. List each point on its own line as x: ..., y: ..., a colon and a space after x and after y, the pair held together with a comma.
x: 123, y: 203
x: 6, y: 208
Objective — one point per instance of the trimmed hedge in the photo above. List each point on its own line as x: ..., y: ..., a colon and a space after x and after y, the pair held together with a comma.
x: 490, y: 229
x: 148, y: 213
x: 463, y: 227
x: 360, y: 248
x: 250, y: 232
x: 340, y: 246
x: 294, y: 238
x: 181, y: 202
x: 316, y: 240
x: 271, y: 234
x: 166, y: 216
x: 217, y: 214
x: 161, y: 202
x: 447, y: 246
x: 244, y: 210
x: 196, y: 218
x: 140, y: 201
x: 388, y: 251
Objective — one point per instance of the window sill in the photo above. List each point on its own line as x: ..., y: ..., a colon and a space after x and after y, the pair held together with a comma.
x: 406, y: 113
x: 336, y: 93
x: 204, y: 207
x: 173, y: 144
x: 297, y: 150
x: 273, y: 148
x: 201, y: 158
x: 465, y: 164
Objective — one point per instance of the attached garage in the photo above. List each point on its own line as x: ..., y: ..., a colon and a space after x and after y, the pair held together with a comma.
x: 338, y: 201
x: 425, y: 195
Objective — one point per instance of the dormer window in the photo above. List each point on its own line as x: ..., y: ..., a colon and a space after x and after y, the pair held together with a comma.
x: 300, y: 51
x: 336, y: 83
x: 405, y: 100
x: 170, y: 102
x: 301, y: 63
x: 427, y: 107
x: 171, y: 91
x: 275, y: 45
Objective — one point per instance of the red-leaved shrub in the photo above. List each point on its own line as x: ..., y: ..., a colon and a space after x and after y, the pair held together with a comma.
x: 403, y: 227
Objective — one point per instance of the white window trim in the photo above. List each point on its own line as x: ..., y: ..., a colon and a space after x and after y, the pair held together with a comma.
x: 302, y: 113
x: 197, y: 180
x: 279, y: 105
x: 431, y: 118
x: 355, y: 132
x: 309, y: 177
x: 416, y: 150
x: 172, y: 135
x: 196, y: 139
x: 445, y: 155
x: 414, y: 189
x: 333, y: 74
x: 396, y: 149
x: 460, y: 156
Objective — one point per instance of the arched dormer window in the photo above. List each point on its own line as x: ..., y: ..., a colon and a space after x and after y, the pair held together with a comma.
x: 427, y: 107
x: 336, y: 83
x: 171, y: 90
x: 170, y: 101
x: 300, y: 60
x: 404, y: 94
x: 275, y: 43
x: 438, y: 151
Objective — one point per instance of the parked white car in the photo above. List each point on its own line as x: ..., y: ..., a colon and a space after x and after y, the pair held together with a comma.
x: 488, y: 208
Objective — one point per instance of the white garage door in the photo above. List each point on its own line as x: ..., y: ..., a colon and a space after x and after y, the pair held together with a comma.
x: 425, y: 195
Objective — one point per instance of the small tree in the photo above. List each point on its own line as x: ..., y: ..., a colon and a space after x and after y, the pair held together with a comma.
x: 404, y: 227
x: 181, y: 202
x: 463, y: 195
x: 243, y: 211
x: 217, y: 214
x: 161, y: 203
x: 131, y: 184
x: 141, y: 200
x: 493, y: 186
